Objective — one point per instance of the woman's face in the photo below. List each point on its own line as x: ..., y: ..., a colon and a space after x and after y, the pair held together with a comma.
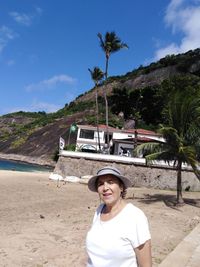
x: 109, y: 189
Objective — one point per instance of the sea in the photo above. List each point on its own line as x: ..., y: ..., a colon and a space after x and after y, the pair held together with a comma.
x: 23, y: 167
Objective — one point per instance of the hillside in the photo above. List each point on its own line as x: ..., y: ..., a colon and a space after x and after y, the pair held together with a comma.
x: 40, y: 142
x: 37, y: 134
x: 153, y: 74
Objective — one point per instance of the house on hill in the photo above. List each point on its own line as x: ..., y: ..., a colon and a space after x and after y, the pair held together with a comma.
x: 122, y: 141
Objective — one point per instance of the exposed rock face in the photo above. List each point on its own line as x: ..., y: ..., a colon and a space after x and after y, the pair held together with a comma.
x: 152, y: 78
x: 141, y: 81
x: 195, y: 68
x: 42, y: 142
x: 129, y: 124
x: 91, y: 95
x: 7, y: 123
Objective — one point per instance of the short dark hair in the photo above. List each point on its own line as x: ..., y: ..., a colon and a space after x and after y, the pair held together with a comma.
x: 124, y: 191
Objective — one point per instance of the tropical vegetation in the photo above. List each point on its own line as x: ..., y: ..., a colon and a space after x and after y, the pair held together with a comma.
x: 181, y: 131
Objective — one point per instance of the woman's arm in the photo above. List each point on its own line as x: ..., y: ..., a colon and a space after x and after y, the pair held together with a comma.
x: 143, y: 254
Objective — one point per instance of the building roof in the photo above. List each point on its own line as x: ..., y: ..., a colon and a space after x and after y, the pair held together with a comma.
x: 102, y: 127
x: 141, y: 131
x: 138, y: 139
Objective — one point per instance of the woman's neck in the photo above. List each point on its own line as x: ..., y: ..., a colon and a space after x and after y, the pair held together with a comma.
x: 114, y: 207
x: 110, y: 211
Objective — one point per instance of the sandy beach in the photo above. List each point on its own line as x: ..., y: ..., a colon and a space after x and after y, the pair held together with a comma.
x: 42, y: 224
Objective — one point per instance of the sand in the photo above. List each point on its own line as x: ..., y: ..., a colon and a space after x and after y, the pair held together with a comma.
x: 42, y: 224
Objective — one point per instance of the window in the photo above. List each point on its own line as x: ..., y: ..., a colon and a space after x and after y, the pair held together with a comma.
x: 86, y: 134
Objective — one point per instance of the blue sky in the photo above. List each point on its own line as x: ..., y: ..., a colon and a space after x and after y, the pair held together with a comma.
x: 46, y: 47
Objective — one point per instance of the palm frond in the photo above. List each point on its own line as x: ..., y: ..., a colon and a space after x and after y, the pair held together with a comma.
x: 101, y: 41
x: 170, y: 135
x: 96, y: 74
x: 184, y: 111
x: 111, y: 42
x: 146, y: 148
x: 154, y: 156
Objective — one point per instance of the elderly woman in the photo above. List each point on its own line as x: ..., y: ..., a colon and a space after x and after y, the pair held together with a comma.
x: 119, y: 236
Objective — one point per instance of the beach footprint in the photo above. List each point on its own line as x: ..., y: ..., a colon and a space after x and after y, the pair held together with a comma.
x: 3, y: 253
x: 32, y: 246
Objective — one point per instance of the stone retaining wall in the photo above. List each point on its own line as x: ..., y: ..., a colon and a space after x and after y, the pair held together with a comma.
x: 161, y: 178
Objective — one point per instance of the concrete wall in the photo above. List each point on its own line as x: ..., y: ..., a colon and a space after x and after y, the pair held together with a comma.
x: 75, y: 164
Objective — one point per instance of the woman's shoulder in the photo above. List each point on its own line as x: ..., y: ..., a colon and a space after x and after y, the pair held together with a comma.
x: 134, y: 216
x: 130, y: 208
x: 98, y: 212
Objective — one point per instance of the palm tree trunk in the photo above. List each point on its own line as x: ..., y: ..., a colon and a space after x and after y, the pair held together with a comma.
x: 106, y: 72
x: 97, y: 114
x: 106, y: 104
x: 179, y: 184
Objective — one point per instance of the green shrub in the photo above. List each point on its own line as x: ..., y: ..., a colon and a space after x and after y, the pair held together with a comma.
x: 70, y: 147
x: 19, y: 142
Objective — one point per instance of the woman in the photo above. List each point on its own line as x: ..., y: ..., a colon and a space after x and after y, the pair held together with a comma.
x: 119, y: 236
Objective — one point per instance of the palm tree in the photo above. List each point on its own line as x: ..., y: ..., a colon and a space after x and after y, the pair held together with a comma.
x: 97, y: 76
x: 181, y: 137
x: 111, y: 43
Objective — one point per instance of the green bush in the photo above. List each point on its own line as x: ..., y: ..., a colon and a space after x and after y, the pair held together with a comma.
x: 19, y: 142
x: 70, y: 147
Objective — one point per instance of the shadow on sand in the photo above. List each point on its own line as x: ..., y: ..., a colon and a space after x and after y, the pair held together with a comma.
x: 169, y: 200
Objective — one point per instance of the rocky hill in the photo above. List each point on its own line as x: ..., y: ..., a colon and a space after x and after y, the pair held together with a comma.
x: 38, y: 145
x: 35, y: 136
x: 140, y: 81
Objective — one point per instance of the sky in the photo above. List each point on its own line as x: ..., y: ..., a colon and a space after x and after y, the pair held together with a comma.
x: 47, y: 46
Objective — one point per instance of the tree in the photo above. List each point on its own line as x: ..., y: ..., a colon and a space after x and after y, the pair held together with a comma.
x: 182, y: 136
x: 151, y: 105
x: 119, y: 101
x: 97, y: 76
x: 111, y: 43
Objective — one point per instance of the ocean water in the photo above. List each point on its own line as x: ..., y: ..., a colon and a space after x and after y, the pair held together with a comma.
x: 21, y: 166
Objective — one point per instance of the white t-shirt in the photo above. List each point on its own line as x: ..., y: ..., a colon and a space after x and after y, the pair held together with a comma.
x: 111, y: 243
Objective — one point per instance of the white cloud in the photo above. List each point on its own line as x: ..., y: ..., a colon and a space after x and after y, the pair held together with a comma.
x: 50, y: 83
x: 26, y: 19
x: 168, y: 50
x: 35, y: 107
x: 183, y: 17
x: 23, y: 19
x: 43, y: 106
x: 171, y: 13
x: 6, y: 35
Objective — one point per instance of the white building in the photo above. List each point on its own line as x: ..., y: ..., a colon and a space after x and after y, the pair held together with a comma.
x: 122, y: 142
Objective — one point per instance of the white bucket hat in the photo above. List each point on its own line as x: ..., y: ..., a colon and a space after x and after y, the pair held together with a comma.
x: 105, y: 171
